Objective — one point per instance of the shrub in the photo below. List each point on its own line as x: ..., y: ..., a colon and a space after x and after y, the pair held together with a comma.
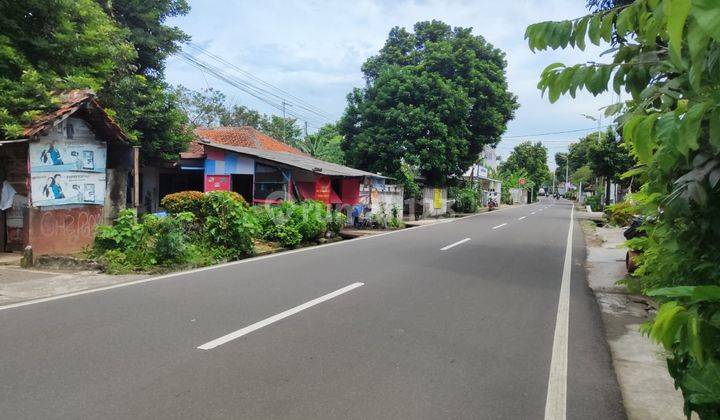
x: 285, y: 234
x: 466, y: 201
x: 124, y: 234
x: 229, y: 223
x: 620, y: 214
x: 595, y: 202
x: 336, y: 221
x: 171, y: 238
x: 395, y: 221
x: 505, y: 196
x: 311, y: 219
x: 184, y: 201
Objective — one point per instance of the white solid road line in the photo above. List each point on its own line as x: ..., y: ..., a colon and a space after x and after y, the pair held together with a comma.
x: 499, y: 226
x: 520, y: 218
x: 454, y: 244
x: 275, y: 318
x: 556, y: 402
x: 533, y: 212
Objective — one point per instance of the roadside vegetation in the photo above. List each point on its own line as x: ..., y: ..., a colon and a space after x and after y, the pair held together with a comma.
x: 666, y: 62
x: 204, y: 229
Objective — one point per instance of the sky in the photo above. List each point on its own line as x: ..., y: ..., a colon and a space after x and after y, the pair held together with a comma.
x: 314, y: 49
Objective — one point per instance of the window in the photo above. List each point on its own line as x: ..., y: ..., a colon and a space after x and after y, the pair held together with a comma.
x: 270, y: 183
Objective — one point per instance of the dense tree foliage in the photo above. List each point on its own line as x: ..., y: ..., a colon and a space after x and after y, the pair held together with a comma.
x: 667, y: 58
x: 433, y: 99
x: 531, y: 159
x: 52, y: 45
x: 142, y: 101
x: 608, y: 158
x: 116, y: 48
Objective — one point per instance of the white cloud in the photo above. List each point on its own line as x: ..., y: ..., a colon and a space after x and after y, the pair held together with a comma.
x: 314, y: 50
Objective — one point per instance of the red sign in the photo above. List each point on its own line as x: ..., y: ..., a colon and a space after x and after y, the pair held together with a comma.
x: 217, y: 183
x: 322, y: 189
x: 522, y: 181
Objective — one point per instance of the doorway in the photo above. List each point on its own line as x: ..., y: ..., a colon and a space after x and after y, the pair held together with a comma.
x: 243, y: 185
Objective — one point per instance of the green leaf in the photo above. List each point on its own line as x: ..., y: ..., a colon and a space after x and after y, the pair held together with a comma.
x: 624, y: 24
x: 702, y: 382
x: 579, y: 33
x: 690, y: 127
x: 642, y: 138
x: 629, y: 127
x: 594, y: 29
x: 707, y: 14
x: 676, y: 11
x: 607, y: 26
x: 697, y: 41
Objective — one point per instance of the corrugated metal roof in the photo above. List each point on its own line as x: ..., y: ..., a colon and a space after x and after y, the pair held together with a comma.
x: 298, y: 161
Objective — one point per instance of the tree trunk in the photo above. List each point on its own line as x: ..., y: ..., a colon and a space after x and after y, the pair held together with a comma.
x: 607, y: 190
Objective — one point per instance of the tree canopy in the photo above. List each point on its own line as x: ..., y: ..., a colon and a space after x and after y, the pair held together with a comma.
x: 116, y: 48
x: 433, y: 98
x: 530, y: 158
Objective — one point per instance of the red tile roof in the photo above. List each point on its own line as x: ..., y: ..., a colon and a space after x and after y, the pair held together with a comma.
x: 240, y: 137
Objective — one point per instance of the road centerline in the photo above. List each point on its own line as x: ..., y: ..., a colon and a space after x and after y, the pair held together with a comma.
x: 275, y: 318
x: 556, y: 402
x: 499, y: 226
x: 462, y: 241
x: 520, y: 218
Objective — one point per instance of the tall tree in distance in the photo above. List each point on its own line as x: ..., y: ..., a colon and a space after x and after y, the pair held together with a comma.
x: 609, y: 159
x: 325, y: 144
x: 433, y: 98
x: 531, y: 158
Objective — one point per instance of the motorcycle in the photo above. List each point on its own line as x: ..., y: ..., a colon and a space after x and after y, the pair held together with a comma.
x: 492, y: 204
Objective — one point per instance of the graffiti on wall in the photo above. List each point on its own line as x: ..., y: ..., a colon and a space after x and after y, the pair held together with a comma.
x: 68, y: 166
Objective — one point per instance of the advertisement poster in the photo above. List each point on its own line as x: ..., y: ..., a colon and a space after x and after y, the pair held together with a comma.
x: 437, y: 198
x: 217, y: 182
x: 322, y: 189
x: 68, y: 166
x: 54, y: 189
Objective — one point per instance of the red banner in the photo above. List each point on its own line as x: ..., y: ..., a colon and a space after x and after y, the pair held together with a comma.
x: 322, y: 189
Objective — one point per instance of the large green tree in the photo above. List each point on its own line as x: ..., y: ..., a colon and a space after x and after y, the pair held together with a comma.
x: 142, y: 101
x: 666, y: 60
x: 53, y: 45
x: 433, y: 98
x: 531, y: 158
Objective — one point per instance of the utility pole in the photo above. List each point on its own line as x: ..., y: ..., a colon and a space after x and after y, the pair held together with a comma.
x: 305, y: 129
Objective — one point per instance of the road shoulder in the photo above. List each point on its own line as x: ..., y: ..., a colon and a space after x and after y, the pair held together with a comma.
x: 647, y: 389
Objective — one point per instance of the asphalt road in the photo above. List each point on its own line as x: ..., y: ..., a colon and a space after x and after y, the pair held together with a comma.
x: 465, y: 332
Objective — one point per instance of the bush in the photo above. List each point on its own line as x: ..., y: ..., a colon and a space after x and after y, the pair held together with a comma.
x: 505, y: 196
x: 184, y: 201
x: 286, y: 235
x: 336, y: 221
x: 466, y: 201
x: 229, y: 223
x: 171, y: 238
x: 595, y: 202
x: 620, y: 214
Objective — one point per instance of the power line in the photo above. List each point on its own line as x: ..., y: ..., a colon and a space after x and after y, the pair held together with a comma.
x: 250, y: 89
x: 555, y: 132
x: 279, y: 93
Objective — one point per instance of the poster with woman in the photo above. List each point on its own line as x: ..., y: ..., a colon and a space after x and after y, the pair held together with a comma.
x: 60, y: 188
x: 67, y: 166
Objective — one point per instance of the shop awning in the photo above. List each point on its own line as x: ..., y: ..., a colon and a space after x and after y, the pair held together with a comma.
x: 306, y: 190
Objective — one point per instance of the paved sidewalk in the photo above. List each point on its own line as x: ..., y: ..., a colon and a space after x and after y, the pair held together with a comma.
x: 646, y: 386
x: 18, y: 284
